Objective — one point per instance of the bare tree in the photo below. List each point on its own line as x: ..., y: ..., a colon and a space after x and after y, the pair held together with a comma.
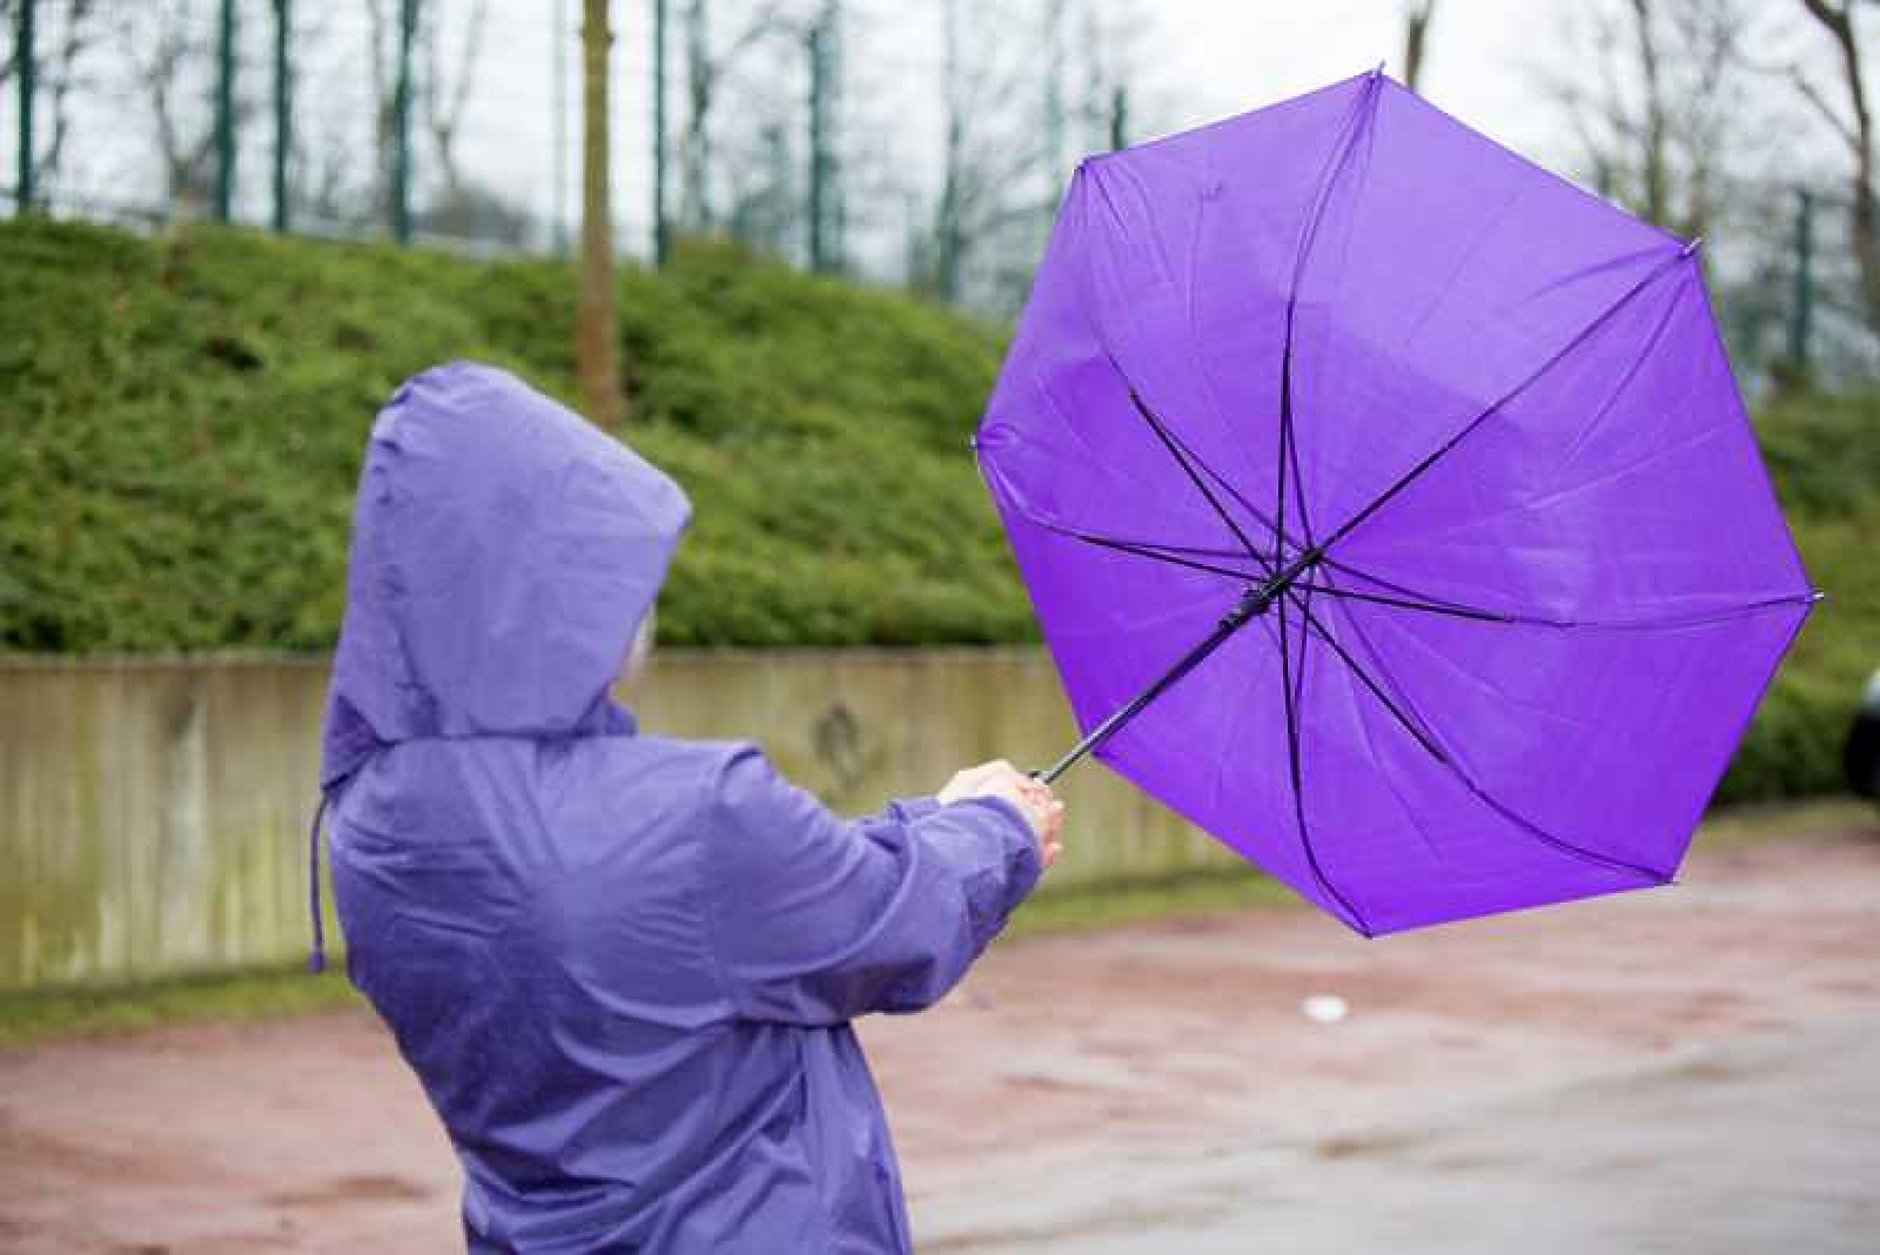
x: 765, y: 208
x: 447, y: 90
x: 382, y: 65
x: 170, y: 48
x: 387, y: 30
x: 956, y: 182
x: 57, y: 75
x: 1111, y: 31
x: 1416, y: 30
x: 1653, y: 123
x: 695, y: 150
x: 459, y: 207
x: 982, y: 241
x: 1655, y: 128
x: 597, y: 349
x: 707, y: 68
x: 329, y: 183
x: 1856, y: 132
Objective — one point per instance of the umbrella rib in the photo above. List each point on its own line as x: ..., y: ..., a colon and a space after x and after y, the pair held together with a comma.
x: 1430, y: 607
x: 1142, y: 408
x: 1281, y: 542
x: 1288, y: 453
x: 1412, y: 598
x: 1293, y: 700
x: 1162, y: 550
x: 1266, y: 520
x: 1154, y: 549
x: 1285, y: 432
x: 1403, y: 590
x: 1361, y: 111
x: 1174, y: 451
x: 1461, y: 610
x: 1327, y: 560
x: 1143, y: 550
x: 1289, y: 445
x: 1698, y: 619
x: 1365, y: 678
x: 1427, y: 740
x: 1594, y: 324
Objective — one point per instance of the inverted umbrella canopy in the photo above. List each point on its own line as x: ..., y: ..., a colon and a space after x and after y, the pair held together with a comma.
x: 1389, y: 508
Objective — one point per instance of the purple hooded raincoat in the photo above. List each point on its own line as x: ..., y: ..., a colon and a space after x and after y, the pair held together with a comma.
x: 623, y: 966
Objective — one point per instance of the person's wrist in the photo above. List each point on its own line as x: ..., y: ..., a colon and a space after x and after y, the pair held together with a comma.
x: 1008, y: 805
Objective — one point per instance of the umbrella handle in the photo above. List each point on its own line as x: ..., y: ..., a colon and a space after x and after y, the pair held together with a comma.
x: 1103, y: 731
x: 1252, y: 603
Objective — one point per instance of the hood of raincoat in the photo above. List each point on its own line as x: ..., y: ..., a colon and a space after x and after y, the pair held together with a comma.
x: 504, y: 551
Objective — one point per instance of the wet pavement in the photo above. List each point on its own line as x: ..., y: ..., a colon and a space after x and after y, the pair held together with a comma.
x: 1687, y: 1069
x: 1765, y: 1146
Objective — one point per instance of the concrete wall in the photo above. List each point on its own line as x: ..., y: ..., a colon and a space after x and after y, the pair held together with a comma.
x: 154, y: 810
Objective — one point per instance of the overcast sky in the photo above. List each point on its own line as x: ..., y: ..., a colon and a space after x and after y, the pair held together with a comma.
x: 1194, y: 60
x: 1478, y: 63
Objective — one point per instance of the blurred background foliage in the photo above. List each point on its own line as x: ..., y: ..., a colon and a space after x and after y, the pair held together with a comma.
x: 184, y: 415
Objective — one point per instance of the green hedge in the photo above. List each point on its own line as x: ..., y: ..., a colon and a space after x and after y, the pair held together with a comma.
x: 1824, y: 454
x: 183, y: 418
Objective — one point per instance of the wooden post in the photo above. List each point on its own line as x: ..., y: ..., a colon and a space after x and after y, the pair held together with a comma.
x: 597, y: 350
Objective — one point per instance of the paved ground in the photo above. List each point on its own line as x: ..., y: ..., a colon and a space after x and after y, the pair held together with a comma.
x: 1692, y: 1069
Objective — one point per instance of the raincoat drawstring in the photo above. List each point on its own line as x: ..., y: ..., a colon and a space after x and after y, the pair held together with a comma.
x: 316, y: 958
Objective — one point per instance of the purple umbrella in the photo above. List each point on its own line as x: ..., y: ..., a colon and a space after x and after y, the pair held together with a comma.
x: 1389, y: 508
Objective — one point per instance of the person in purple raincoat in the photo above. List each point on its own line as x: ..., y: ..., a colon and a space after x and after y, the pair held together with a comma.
x: 623, y: 966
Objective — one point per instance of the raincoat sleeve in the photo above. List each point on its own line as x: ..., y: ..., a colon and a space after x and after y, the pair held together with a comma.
x: 816, y: 920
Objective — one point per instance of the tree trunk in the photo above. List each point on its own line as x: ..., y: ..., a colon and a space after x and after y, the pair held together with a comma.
x: 1859, y: 136
x: 1654, y: 173
x: 950, y: 239
x: 699, y: 75
x: 597, y: 351
x: 1415, y: 37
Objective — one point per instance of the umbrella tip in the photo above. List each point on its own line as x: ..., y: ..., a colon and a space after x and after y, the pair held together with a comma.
x: 1377, y: 70
x: 1696, y: 243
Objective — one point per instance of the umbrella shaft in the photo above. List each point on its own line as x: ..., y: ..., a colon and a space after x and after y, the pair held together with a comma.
x: 1252, y: 603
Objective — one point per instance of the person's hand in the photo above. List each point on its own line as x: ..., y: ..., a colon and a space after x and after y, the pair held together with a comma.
x: 1033, y: 798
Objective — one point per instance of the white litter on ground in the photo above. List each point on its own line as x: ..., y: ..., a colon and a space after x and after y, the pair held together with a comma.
x: 1325, y: 1008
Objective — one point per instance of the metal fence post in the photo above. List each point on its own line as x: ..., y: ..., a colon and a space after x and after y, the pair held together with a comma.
x: 661, y: 240
x: 225, y: 114
x: 1119, y: 118
x: 818, y: 145
x: 1802, y: 300
x: 283, y: 109
x: 23, y: 55
x: 1053, y: 109
x: 835, y: 80
x: 401, y: 140
x: 825, y: 181
x: 558, y: 78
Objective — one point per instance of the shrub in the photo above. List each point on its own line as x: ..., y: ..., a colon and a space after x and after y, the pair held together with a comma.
x: 185, y: 416
x: 183, y: 419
